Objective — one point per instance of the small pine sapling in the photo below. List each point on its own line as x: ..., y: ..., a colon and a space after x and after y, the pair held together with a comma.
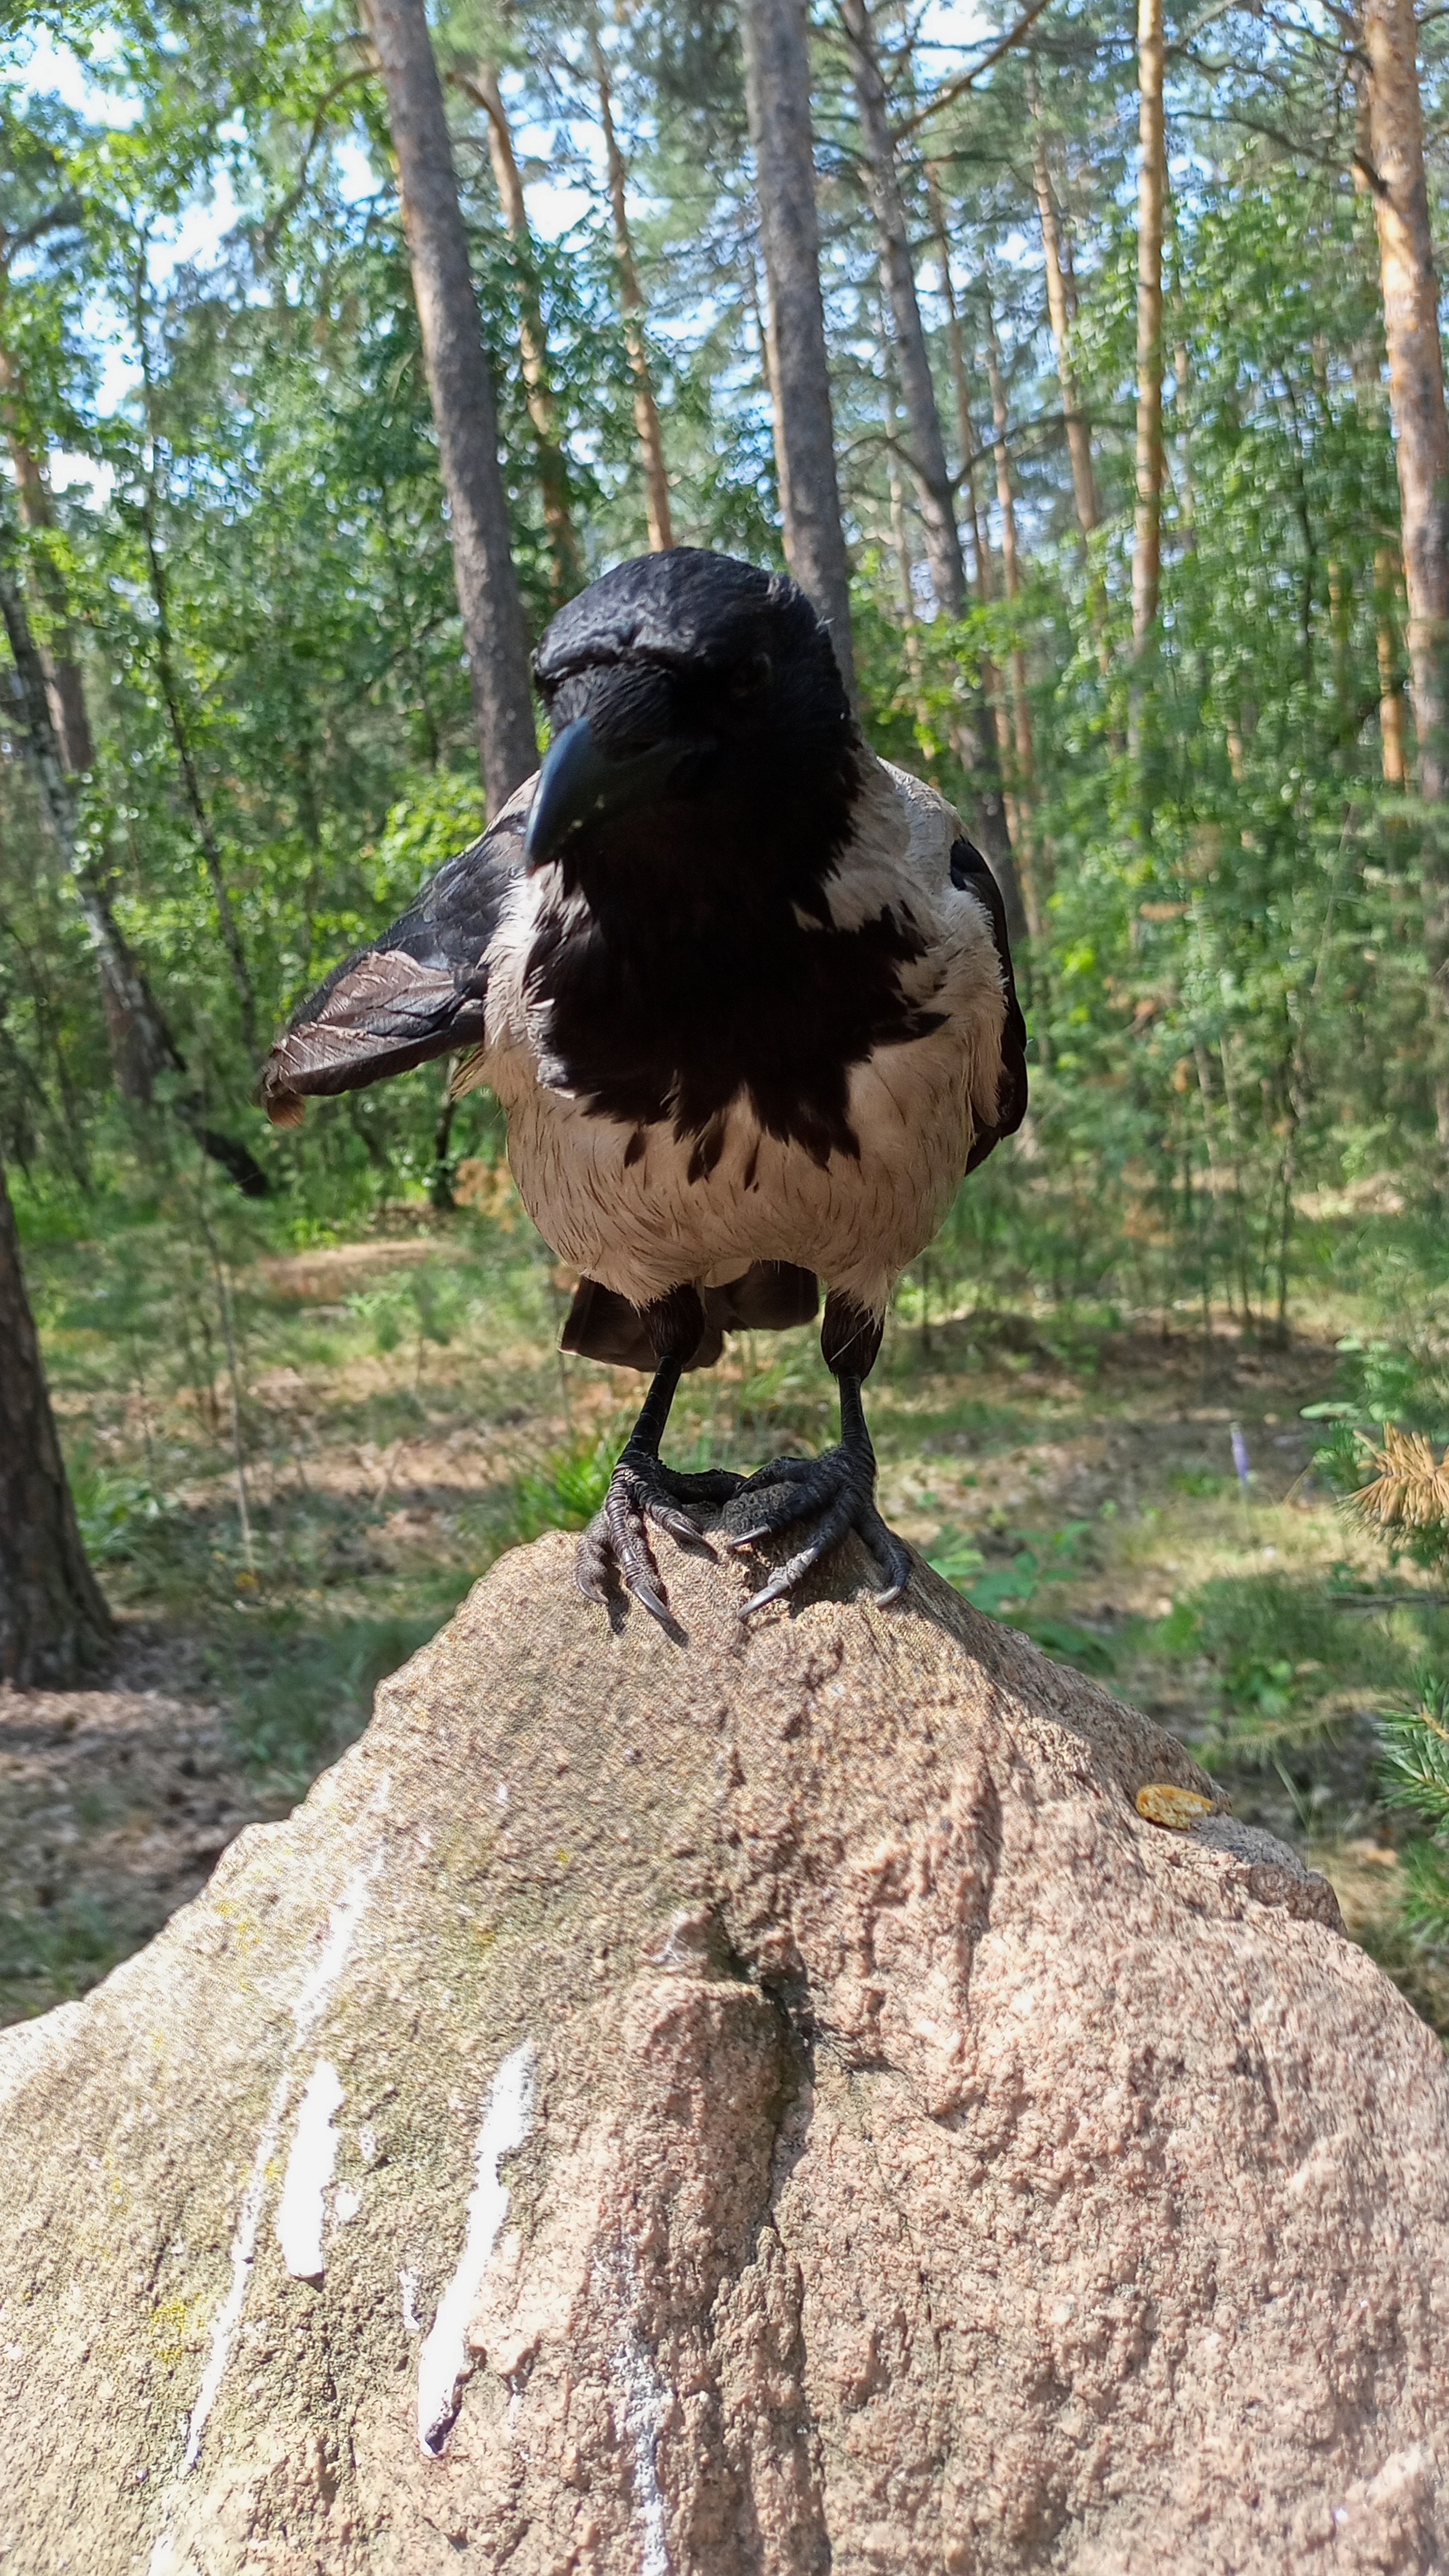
x: 1406, y: 1501
x: 1414, y: 1776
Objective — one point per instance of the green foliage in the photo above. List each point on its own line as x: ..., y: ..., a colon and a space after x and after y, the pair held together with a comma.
x: 1414, y: 1777
x: 114, y: 1512
x: 1013, y: 1591
x: 1416, y: 1755
x: 299, y: 1694
x: 564, y: 1490
x: 61, y: 1948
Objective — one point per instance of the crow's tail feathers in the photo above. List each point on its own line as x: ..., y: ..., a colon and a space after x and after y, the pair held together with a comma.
x: 768, y: 1297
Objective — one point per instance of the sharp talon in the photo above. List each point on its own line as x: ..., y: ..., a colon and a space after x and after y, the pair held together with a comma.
x: 774, y: 1591
x: 650, y: 1600
x: 826, y: 1497
x: 644, y: 1495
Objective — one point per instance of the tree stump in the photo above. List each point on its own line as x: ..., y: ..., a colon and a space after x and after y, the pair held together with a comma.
x: 763, y: 2100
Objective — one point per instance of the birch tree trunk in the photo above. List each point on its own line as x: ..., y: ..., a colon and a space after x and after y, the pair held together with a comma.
x: 763, y: 308
x: 975, y: 743
x: 631, y: 304
x: 1416, y: 393
x: 568, y: 563
x: 59, y: 655
x: 461, y: 391
x: 54, y: 1625
x: 777, y: 89
x: 141, y: 1044
x: 1151, y: 201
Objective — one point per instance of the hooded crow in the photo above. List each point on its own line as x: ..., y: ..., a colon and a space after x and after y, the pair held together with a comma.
x: 744, y: 993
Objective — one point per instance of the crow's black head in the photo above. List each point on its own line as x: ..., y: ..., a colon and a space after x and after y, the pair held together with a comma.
x: 695, y: 703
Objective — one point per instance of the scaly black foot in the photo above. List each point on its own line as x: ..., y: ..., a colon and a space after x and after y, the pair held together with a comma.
x: 831, y: 1495
x: 615, y: 1546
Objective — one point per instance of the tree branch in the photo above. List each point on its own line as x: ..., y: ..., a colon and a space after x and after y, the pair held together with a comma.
x: 294, y: 195
x: 957, y: 88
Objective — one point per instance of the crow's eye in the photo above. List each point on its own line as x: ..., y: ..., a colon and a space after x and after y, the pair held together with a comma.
x: 751, y: 677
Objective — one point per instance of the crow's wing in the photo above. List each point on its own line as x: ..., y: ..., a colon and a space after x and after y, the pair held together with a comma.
x: 419, y: 991
x: 972, y: 873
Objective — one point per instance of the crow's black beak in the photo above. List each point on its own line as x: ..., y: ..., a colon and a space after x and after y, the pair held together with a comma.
x: 581, y: 784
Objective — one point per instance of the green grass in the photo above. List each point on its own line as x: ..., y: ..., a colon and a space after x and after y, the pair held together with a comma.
x: 297, y: 1695
x: 54, y: 1952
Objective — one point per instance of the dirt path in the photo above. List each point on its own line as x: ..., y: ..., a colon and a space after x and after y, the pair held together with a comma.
x: 115, y: 1806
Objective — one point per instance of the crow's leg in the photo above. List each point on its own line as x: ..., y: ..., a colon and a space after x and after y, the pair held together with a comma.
x: 615, y: 1546
x: 835, y: 1493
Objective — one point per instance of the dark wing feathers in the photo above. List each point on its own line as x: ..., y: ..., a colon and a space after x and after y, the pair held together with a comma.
x: 419, y: 991
x: 973, y: 875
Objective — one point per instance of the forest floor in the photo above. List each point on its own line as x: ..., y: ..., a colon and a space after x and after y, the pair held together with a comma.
x: 403, y: 1416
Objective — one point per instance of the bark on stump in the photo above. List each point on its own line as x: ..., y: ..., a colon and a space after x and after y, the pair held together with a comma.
x: 760, y: 2103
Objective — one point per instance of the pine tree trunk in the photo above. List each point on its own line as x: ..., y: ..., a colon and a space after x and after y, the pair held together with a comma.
x: 985, y: 583
x: 1151, y: 202
x: 777, y: 84
x: 54, y: 1625
x: 1391, y: 696
x: 55, y: 727
x: 1011, y: 577
x: 461, y: 390
x: 631, y: 303
x: 1079, y: 435
x: 568, y: 563
x: 1416, y: 392
x: 975, y: 743
x: 918, y: 392
x: 956, y: 356
x: 901, y: 542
